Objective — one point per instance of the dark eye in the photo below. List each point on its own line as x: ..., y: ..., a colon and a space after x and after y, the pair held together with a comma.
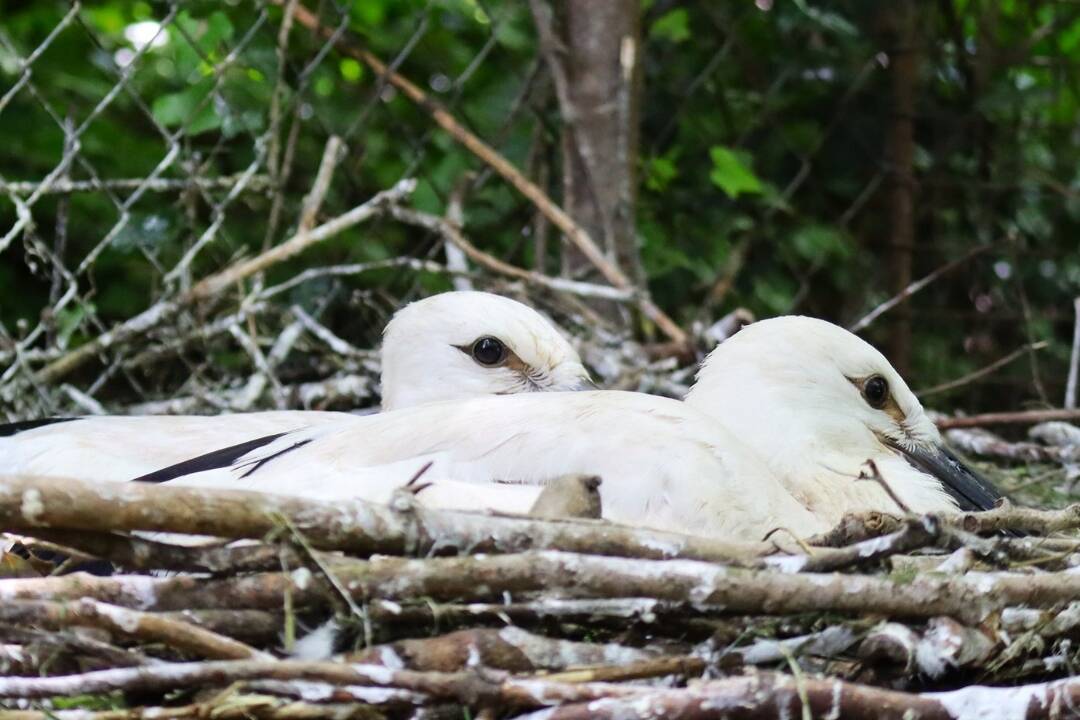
x: 876, y: 391
x: 488, y: 351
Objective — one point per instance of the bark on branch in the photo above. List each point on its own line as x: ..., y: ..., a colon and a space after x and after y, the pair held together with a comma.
x: 970, y: 598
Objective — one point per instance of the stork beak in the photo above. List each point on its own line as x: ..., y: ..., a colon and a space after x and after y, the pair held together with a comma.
x: 971, y: 490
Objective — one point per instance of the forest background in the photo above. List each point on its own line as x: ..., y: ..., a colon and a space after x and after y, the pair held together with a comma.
x: 781, y: 157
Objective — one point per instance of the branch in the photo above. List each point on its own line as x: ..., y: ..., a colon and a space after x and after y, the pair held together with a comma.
x: 870, y: 317
x: 1022, y: 417
x: 511, y: 649
x: 983, y: 372
x: 354, y: 525
x: 976, y: 441
x: 454, y: 236
x: 764, y: 696
x: 461, y: 687
x: 130, y: 623
x: 1074, y: 360
x: 970, y: 598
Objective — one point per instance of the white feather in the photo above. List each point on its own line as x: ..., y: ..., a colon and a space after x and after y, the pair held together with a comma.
x: 421, y: 359
x: 773, y: 434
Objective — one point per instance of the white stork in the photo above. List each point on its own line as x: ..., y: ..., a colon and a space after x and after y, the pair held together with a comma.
x: 445, y: 347
x: 779, y: 424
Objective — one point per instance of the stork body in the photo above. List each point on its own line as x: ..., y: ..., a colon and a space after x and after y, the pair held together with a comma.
x: 450, y: 346
x: 663, y: 463
x: 775, y: 433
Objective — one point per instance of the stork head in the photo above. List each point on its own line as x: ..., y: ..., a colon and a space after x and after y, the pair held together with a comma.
x: 815, y: 398
x: 464, y: 344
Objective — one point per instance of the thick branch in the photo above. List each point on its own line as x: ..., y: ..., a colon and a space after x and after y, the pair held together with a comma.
x: 142, y: 626
x: 970, y: 598
x: 354, y: 525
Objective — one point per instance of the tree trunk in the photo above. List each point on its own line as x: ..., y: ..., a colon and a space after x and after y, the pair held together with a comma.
x: 903, y: 66
x: 592, y: 48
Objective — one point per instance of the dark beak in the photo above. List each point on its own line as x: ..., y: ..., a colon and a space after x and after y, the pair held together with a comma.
x: 972, y: 491
x: 587, y: 384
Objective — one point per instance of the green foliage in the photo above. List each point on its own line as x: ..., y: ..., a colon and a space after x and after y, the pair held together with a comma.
x: 763, y: 137
x: 673, y: 26
x: 96, y: 703
x: 731, y: 172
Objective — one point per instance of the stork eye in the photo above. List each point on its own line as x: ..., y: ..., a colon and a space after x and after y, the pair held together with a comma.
x: 488, y: 351
x: 876, y: 391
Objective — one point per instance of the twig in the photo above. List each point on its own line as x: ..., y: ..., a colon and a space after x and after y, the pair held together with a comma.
x: 511, y: 649
x: 574, y: 232
x: 1009, y: 517
x: 63, y: 186
x: 146, y: 627
x: 865, y: 321
x: 976, y: 441
x: 971, y: 598
x: 234, y: 707
x: 462, y: 687
x: 136, y: 553
x: 680, y: 666
x: 354, y: 525
x: 454, y: 236
x: 770, y: 695
x: 874, y: 475
x: 982, y: 372
x: 1022, y: 417
x: 313, y: 201
x: 1074, y: 360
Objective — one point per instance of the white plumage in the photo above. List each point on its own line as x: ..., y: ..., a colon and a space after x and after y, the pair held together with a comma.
x: 430, y: 353
x: 774, y: 434
x: 795, y: 390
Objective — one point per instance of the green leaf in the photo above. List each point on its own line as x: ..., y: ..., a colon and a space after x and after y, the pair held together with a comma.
x: 828, y: 20
x: 818, y: 243
x: 673, y: 26
x: 659, y: 172
x: 351, y: 70
x: 732, y: 173
x: 188, y: 107
x: 68, y: 321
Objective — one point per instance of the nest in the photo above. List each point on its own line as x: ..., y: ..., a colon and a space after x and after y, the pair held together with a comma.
x: 314, y: 609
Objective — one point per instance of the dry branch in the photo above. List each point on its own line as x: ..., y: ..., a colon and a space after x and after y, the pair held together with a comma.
x: 976, y: 441
x: 452, y: 234
x: 141, y: 626
x: 1009, y: 517
x: 232, y: 707
x: 355, y: 525
x: 865, y: 321
x: 460, y: 687
x: 766, y: 696
x: 1022, y: 417
x: 511, y: 649
x: 970, y: 598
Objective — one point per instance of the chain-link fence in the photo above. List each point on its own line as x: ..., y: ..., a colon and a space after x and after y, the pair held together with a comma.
x: 164, y: 143
x: 193, y: 219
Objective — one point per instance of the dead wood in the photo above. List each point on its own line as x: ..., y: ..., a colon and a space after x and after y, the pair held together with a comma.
x: 970, y: 598
x: 144, y: 627
x: 764, y: 696
x: 354, y: 525
x: 511, y: 649
x: 1022, y: 417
